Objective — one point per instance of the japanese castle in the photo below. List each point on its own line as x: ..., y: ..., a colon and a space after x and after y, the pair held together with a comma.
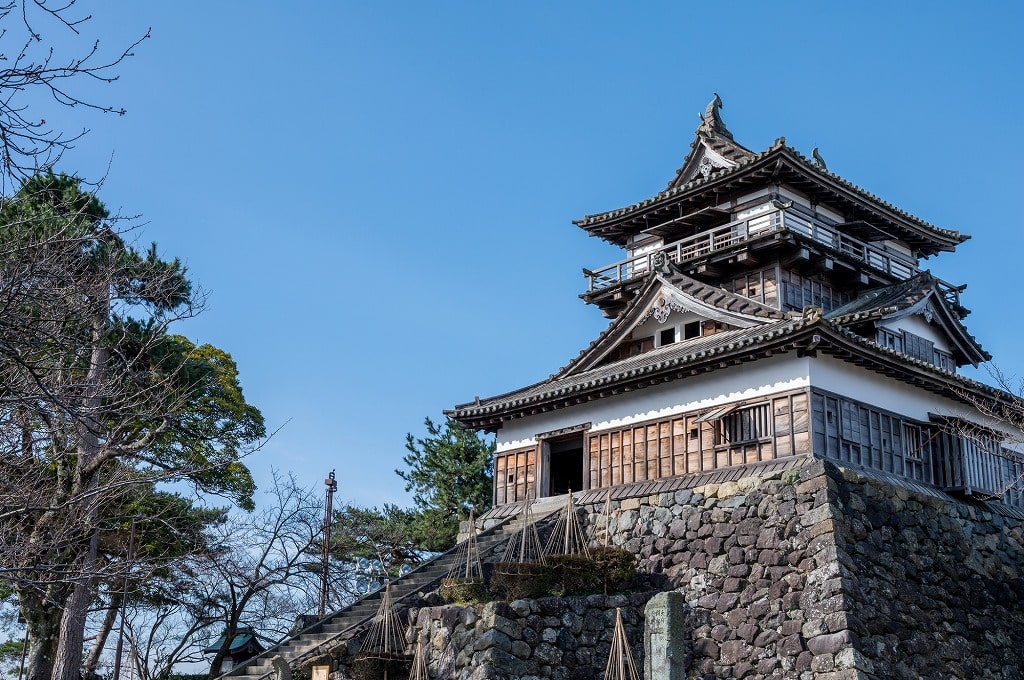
x: 766, y: 308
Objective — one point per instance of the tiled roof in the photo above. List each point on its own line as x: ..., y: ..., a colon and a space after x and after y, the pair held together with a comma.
x: 724, y: 146
x: 721, y: 298
x: 667, y: 357
x: 924, y: 489
x: 779, y: 148
x: 881, y: 302
x: 878, y: 301
x: 704, y: 292
x: 707, y: 352
x: 947, y: 376
x: 241, y: 639
x: 666, y: 484
x: 738, y: 472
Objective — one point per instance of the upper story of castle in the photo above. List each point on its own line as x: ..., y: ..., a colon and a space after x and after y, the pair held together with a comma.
x: 765, y: 308
x: 773, y: 226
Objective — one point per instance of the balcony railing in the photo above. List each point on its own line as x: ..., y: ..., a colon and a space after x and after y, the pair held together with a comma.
x: 773, y: 222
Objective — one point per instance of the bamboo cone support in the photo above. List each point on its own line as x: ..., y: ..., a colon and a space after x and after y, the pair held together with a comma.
x: 620, y: 660
x: 607, y: 518
x: 567, y: 538
x: 525, y: 545
x: 419, y: 663
x: 385, y: 634
x: 467, y: 564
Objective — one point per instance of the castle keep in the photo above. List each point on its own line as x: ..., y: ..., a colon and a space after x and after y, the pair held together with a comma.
x: 766, y: 308
x: 776, y: 413
x: 774, y: 425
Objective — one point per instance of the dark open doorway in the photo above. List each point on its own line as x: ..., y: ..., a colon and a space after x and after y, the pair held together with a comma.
x: 566, y: 465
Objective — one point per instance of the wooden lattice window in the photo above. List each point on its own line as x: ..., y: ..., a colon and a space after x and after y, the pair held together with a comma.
x: 912, y: 444
x: 744, y: 425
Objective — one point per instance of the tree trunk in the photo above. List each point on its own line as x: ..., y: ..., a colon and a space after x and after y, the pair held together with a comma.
x: 42, y: 636
x: 91, y: 661
x: 67, y: 665
x: 222, y: 653
x: 68, y: 662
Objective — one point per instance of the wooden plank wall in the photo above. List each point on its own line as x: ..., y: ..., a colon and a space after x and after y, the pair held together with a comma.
x: 678, y: 445
x: 515, y: 475
x: 853, y: 432
x: 980, y: 463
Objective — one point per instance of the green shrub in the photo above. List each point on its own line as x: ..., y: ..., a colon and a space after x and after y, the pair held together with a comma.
x: 574, y: 574
x: 616, y: 567
x: 380, y: 665
x: 464, y: 591
x: 519, y: 580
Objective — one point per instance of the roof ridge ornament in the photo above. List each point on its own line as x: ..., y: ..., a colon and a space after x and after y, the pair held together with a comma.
x: 812, y: 314
x: 818, y: 159
x: 711, y: 120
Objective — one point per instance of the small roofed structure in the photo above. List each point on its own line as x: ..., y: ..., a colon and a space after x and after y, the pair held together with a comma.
x: 244, y: 645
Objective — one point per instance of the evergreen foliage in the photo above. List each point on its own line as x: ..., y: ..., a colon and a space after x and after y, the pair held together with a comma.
x: 100, y: 403
x: 449, y: 472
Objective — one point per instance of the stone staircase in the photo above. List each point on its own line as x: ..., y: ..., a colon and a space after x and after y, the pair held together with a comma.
x: 350, y: 622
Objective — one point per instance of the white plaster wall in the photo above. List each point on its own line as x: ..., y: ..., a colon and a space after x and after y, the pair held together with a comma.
x: 916, y: 324
x: 860, y: 384
x: 798, y: 197
x: 635, y: 250
x: 829, y: 213
x: 675, y: 319
x: 736, y: 383
x: 900, y: 247
x: 756, y: 210
x: 745, y: 198
x: 767, y: 376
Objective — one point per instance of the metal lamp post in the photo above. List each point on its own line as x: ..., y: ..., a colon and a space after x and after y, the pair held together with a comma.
x: 332, y: 486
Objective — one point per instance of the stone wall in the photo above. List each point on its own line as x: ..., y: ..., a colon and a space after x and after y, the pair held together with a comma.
x: 934, y: 587
x: 564, y: 638
x: 756, y: 563
x: 815, y: 572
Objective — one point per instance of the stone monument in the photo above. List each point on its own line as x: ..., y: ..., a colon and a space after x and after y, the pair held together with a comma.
x: 666, y: 644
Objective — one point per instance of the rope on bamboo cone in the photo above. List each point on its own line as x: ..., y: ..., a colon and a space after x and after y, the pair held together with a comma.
x: 568, y: 537
x: 620, y: 660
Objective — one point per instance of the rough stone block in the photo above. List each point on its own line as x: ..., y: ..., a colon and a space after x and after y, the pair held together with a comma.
x: 547, y: 654
x: 822, y: 663
x: 727, y: 489
x: 493, y: 638
x: 521, y: 650
x: 850, y: 658
x: 831, y: 643
x: 742, y: 669
x: 683, y: 497
x: 733, y: 651
x: 791, y: 645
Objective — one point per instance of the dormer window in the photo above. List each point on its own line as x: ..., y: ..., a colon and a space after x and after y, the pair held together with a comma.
x: 887, y: 338
x: 918, y: 347
x: 667, y: 336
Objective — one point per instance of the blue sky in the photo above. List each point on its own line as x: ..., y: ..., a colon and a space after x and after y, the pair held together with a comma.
x: 378, y: 196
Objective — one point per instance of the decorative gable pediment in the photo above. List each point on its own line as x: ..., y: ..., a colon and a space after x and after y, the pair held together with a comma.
x: 917, y: 307
x: 670, y: 299
x: 702, y: 161
x: 667, y: 293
